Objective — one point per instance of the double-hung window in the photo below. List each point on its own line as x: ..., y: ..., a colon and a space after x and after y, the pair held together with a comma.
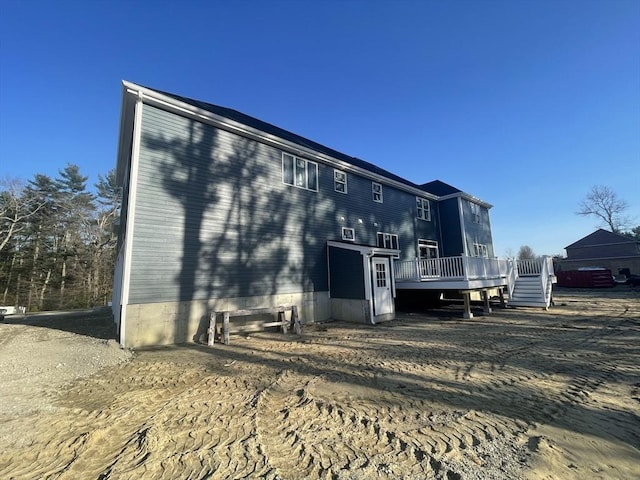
x: 376, y: 189
x: 480, y: 250
x: 339, y: 181
x: 388, y: 240
x: 424, y: 209
x: 475, y: 212
x: 299, y: 172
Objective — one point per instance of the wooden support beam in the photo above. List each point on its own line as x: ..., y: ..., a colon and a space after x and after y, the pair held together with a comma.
x: 485, y: 299
x: 467, y: 305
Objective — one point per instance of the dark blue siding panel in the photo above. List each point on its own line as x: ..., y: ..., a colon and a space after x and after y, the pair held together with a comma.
x: 452, y: 244
x: 397, y: 214
x: 346, y: 274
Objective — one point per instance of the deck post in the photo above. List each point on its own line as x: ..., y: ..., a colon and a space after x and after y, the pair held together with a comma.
x: 467, y: 305
x: 485, y: 298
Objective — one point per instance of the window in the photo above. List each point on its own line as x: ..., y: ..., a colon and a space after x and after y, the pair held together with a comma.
x: 381, y: 275
x: 424, y: 209
x: 339, y: 181
x: 475, y: 212
x: 299, y: 172
x: 388, y: 240
x: 428, y: 248
x: 480, y: 250
x: 348, y: 234
x: 376, y: 189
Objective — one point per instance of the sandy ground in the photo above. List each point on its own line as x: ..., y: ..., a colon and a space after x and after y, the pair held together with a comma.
x: 519, y: 394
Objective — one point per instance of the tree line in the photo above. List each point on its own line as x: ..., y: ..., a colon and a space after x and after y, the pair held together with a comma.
x: 58, y: 240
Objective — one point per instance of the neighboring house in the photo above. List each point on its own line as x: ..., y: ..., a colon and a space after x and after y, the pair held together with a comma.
x: 222, y: 211
x: 604, y: 249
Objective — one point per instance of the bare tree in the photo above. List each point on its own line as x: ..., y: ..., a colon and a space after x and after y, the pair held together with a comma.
x: 526, y: 253
x: 15, y: 209
x: 603, y: 203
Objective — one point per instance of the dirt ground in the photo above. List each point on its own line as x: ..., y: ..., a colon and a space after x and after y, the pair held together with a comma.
x: 519, y: 394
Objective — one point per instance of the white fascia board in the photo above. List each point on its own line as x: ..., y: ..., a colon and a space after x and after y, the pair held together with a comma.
x: 364, y: 249
x: 467, y: 196
x: 127, y: 120
x: 128, y: 228
x: 463, y: 230
x: 185, y: 109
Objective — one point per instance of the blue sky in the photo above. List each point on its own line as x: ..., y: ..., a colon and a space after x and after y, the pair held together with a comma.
x: 525, y: 104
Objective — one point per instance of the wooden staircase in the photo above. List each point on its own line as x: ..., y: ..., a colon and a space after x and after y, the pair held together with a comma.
x: 534, y: 288
x: 531, y: 292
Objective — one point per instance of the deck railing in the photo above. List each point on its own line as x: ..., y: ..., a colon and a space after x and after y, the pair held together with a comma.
x: 529, y: 267
x: 469, y: 268
x: 449, y: 268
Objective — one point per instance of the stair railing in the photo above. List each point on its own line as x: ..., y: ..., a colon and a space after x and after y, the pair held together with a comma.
x: 512, y: 276
x: 546, y: 270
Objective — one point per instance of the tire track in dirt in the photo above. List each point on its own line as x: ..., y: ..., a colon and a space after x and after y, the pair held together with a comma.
x: 445, y: 400
x: 203, y: 420
x: 310, y: 437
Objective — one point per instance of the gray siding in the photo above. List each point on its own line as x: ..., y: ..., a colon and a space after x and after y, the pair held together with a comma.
x: 477, y: 232
x: 213, y: 218
x: 603, y: 251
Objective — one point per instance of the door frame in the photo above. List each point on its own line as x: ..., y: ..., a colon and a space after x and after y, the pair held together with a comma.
x: 382, y: 294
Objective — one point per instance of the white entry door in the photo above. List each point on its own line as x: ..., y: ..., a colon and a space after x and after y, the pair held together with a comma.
x: 382, y: 298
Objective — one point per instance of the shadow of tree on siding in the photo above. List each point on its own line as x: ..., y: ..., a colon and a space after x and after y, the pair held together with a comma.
x: 244, y: 233
x: 187, y: 170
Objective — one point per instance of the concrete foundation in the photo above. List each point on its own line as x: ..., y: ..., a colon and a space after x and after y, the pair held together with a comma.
x: 186, y: 322
x: 350, y: 310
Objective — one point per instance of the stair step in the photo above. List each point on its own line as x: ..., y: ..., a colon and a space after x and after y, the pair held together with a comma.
x: 528, y: 304
x: 531, y: 292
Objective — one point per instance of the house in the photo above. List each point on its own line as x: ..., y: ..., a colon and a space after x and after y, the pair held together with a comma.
x: 222, y: 211
x: 606, y: 249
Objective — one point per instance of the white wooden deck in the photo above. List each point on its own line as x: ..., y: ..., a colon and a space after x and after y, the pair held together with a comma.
x: 472, y: 273
x: 451, y: 273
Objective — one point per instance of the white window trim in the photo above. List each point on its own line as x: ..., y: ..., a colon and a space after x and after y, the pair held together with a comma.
x: 480, y: 250
x: 422, y: 201
x: 475, y: 212
x: 336, y: 181
x: 388, y: 237
x: 349, y: 234
x: 374, y: 193
x: 306, y: 167
x: 423, y: 242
